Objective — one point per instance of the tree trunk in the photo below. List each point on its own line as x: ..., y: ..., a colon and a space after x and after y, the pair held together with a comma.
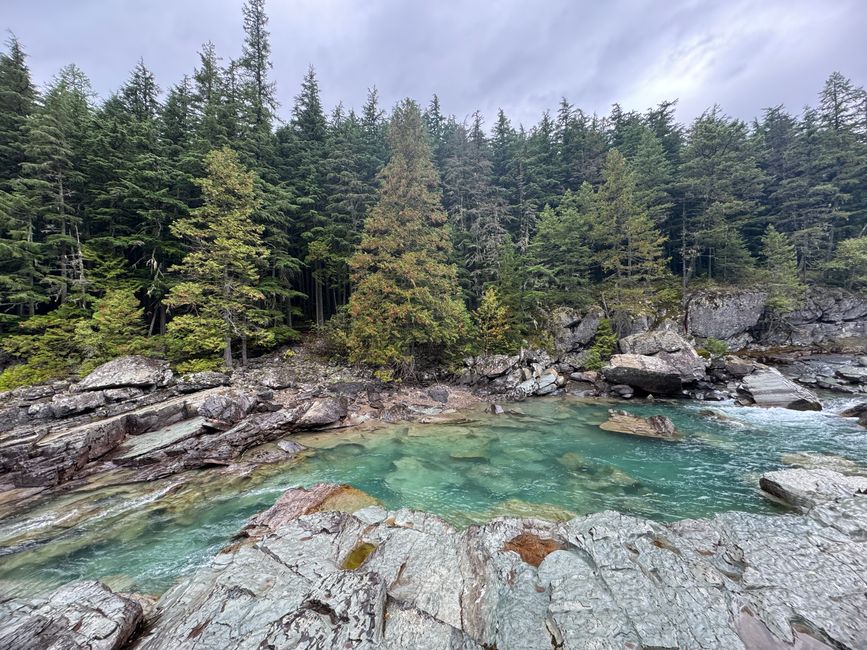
x: 243, y: 350
x: 227, y: 353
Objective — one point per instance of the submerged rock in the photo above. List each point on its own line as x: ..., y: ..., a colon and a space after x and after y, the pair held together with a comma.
x: 79, y: 615
x: 767, y: 387
x: 134, y: 371
x: 656, y: 426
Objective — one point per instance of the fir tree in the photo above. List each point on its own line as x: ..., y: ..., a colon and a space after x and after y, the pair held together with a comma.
x: 17, y: 102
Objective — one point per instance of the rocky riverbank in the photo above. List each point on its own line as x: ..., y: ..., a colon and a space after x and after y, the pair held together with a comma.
x: 323, y: 568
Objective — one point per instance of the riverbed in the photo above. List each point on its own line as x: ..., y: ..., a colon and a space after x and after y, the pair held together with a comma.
x: 545, y: 457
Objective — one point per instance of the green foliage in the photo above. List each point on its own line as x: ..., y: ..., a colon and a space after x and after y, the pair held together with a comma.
x: 849, y: 266
x: 715, y: 347
x: 604, y: 345
x: 492, y: 324
x: 199, y: 365
x: 47, y: 343
x: 406, y: 299
x: 116, y: 328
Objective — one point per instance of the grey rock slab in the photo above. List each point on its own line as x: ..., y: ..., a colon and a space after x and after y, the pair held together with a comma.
x: 806, y: 488
x: 146, y: 443
x: 322, y: 412
x: 78, y: 615
x: 724, y: 315
x: 132, y: 370
x: 768, y: 387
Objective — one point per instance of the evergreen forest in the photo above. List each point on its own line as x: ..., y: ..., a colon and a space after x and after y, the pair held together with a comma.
x: 203, y: 223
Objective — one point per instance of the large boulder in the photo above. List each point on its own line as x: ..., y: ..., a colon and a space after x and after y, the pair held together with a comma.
x: 829, y: 305
x: 227, y: 408
x: 79, y: 615
x: 726, y: 316
x: 768, y: 387
x: 650, y: 374
x: 134, y: 371
x: 494, y: 365
x: 671, y: 348
x: 322, y: 412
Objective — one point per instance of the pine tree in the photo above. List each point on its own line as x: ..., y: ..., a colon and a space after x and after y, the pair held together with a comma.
x: 221, y: 269
x: 406, y: 302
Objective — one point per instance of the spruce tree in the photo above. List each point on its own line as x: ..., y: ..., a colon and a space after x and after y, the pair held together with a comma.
x: 407, y: 301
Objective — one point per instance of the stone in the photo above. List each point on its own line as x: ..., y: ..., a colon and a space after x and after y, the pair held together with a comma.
x: 496, y: 409
x: 724, y: 315
x: 133, y: 371
x: 290, y: 446
x: 804, y: 489
x: 122, y: 394
x: 574, y: 361
x: 224, y: 409
x: 197, y: 381
x: 671, y: 348
x: 78, y: 615
x: 655, y: 426
x: 737, y: 367
x: 851, y: 373
x: 572, y: 330
x: 438, y: 394
x: 767, y: 387
x: 494, y: 365
x: 808, y: 460
x: 322, y: 412
x: 649, y: 374
x: 622, y: 390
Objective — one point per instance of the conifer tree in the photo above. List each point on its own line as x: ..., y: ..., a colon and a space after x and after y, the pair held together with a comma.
x: 780, y: 275
x: 17, y: 102
x: 492, y: 323
x: 221, y: 269
x: 407, y: 301
x: 629, y: 247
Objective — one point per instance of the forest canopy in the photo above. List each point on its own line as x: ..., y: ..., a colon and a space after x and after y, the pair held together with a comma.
x: 192, y: 222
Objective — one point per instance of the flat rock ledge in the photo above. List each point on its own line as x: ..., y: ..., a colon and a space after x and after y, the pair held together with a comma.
x: 403, y: 579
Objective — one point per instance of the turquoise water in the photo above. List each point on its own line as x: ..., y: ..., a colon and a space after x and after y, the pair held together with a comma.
x: 546, y: 458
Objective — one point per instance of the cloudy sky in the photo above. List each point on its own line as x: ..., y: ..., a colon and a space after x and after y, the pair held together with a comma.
x: 519, y: 55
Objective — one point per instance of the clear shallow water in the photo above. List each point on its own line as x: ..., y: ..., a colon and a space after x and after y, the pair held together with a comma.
x: 547, y: 458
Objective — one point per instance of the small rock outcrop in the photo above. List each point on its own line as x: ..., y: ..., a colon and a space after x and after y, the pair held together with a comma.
x: 77, y: 616
x: 655, y: 426
x: 130, y: 371
x: 322, y: 412
x: 768, y: 387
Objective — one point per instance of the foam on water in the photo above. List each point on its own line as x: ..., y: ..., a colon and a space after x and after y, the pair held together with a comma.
x: 546, y: 458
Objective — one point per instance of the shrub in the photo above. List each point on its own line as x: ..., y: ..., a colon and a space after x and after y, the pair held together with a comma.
x: 604, y: 345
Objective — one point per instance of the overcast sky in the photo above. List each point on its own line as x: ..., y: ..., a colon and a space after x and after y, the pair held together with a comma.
x: 519, y: 55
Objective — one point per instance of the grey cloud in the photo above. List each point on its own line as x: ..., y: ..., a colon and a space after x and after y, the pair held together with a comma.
x: 519, y: 55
